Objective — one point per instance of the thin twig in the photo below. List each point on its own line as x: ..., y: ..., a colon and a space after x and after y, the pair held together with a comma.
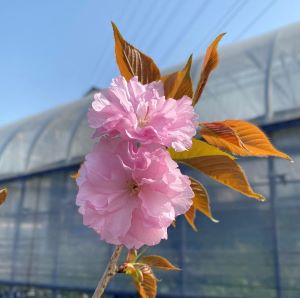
x: 109, y: 272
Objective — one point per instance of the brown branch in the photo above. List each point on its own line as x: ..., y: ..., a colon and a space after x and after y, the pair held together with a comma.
x: 109, y: 273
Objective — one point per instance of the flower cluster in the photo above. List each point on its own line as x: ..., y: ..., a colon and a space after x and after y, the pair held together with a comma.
x: 130, y: 190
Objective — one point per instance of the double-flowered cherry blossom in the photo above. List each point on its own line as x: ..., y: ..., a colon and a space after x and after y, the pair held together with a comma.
x: 130, y: 194
x: 130, y: 189
x: 141, y: 112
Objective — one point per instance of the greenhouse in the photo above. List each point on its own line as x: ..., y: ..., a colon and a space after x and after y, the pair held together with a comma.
x: 253, y: 252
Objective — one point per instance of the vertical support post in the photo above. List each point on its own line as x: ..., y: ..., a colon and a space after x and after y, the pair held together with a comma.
x: 268, y: 82
x: 54, y: 293
x: 181, y: 255
x: 55, y: 232
x: 34, y: 231
x: 16, y: 241
x: 272, y: 185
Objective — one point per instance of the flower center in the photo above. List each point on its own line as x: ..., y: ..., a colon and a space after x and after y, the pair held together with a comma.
x: 133, y: 187
x: 143, y: 121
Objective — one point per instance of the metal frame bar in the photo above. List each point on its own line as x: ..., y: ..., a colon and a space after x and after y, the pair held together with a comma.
x: 35, y: 217
x: 38, y: 134
x: 272, y: 187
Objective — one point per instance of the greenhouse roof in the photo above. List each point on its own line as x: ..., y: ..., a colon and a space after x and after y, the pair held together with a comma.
x: 257, y: 80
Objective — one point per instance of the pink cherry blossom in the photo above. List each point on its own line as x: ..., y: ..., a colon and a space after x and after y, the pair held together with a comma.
x: 141, y: 112
x: 130, y: 194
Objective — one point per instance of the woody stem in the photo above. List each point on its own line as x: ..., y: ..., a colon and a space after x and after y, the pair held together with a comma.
x: 109, y: 273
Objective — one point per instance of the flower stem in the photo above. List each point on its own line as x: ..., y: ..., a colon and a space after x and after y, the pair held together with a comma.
x: 109, y: 272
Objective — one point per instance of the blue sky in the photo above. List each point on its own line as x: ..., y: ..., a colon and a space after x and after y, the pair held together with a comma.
x: 52, y: 52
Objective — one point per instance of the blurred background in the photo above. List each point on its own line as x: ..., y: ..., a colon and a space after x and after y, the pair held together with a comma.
x: 56, y: 54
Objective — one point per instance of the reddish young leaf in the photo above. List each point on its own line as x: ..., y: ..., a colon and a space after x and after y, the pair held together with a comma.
x: 178, y: 84
x: 74, y: 175
x: 143, y: 276
x: 239, y: 137
x: 201, y: 199
x: 134, y: 272
x: 158, y: 262
x: 200, y: 203
x: 145, y: 281
x: 221, y: 131
x: 133, y: 62
x: 210, y: 62
x: 190, y: 216
x: 3, y: 195
x: 224, y: 170
x: 148, y: 287
x: 131, y: 256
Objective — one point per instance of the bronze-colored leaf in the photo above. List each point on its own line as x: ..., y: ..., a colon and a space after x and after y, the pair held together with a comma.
x: 158, y: 262
x: 143, y: 278
x: 131, y: 256
x: 3, y: 195
x: 200, y: 203
x: 178, y: 84
x: 134, y: 272
x: 240, y: 138
x: 190, y: 216
x: 210, y: 62
x: 148, y: 287
x: 133, y: 62
x: 224, y: 170
x: 74, y: 175
x: 201, y: 199
x: 221, y: 131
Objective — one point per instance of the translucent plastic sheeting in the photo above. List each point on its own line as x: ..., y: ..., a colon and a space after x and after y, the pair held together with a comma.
x: 52, y: 139
x: 253, y: 252
x: 255, y: 78
x: 47, y: 244
x: 54, y: 144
